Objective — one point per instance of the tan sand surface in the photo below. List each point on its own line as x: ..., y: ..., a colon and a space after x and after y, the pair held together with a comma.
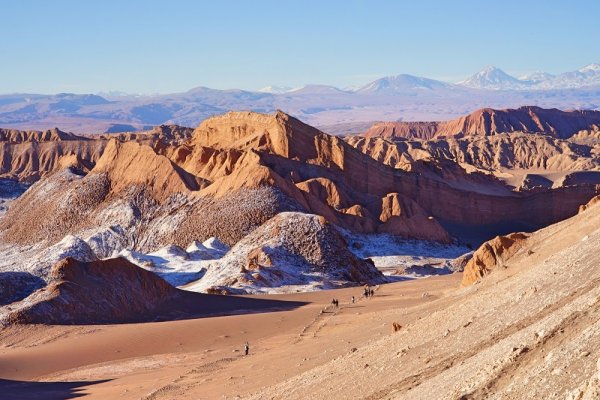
x: 202, y: 358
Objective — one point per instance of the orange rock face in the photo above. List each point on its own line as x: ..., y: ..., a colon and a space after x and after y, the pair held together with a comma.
x: 130, y: 163
x: 29, y: 155
x: 401, y: 216
x: 51, y: 135
x: 28, y: 160
x: 352, y: 185
x: 403, y: 130
x: 487, y: 121
x: 491, y: 255
x: 326, y: 175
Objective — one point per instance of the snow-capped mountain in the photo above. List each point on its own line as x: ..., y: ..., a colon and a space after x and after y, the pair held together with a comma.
x: 536, y: 77
x: 401, y: 83
x: 586, y: 76
x: 590, y: 68
x: 495, y: 79
x: 275, y: 89
x: 492, y: 78
x: 316, y: 89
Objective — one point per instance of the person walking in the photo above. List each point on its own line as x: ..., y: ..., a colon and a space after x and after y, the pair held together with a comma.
x: 246, y: 348
x: 352, y: 299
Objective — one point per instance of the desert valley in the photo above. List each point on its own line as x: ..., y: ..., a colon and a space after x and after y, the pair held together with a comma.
x: 137, y: 265
x: 299, y: 200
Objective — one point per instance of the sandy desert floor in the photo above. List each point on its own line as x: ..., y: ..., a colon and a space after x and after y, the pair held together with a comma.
x: 203, y: 358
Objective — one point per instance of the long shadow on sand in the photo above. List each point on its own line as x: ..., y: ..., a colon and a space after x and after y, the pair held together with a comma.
x: 23, y: 390
x: 190, y: 305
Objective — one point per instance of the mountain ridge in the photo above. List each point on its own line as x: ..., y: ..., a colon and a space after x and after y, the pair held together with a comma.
x: 399, y: 97
x: 493, y: 78
x: 489, y: 121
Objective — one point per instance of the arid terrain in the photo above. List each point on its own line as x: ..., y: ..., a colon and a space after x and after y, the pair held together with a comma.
x: 529, y: 330
x: 137, y: 265
x: 328, y: 200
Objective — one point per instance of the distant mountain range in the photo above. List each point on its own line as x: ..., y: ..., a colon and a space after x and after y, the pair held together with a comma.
x: 495, y: 79
x: 400, y: 97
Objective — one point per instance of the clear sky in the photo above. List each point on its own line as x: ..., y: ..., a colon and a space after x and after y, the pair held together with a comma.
x: 166, y: 46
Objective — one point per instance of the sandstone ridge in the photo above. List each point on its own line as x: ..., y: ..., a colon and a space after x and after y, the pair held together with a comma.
x: 488, y: 121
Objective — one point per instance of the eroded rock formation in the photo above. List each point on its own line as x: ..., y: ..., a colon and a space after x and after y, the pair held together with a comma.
x: 488, y: 121
x: 491, y: 255
x: 159, y: 192
x: 290, y: 249
x: 105, y: 291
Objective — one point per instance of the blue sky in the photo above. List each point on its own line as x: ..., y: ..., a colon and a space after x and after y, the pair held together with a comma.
x: 170, y: 46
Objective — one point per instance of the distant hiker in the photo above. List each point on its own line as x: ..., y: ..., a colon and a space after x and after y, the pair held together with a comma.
x: 366, y: 293
x: 371, y: 293
x: 246, y: 348
x: 333, y: 302
x: 352, y: 299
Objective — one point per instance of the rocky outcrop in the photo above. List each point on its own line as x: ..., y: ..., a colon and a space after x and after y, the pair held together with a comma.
x: 128, y: 183
x: 491, y: 255
x: 105, y: 291
x: 589, y: 204
x: 161, y: 134
x: 499, y: 155
x: 588, y: 135
x: 553, y: 122
x: 487, y: 121
x: 404, y: 217
x: 488, y: 153
x: 403, y: 130
x: 51, y: 135
x: 327, y: 190
x: 127, y: 164
x: 321, y: 173
x: 29, y: 155
x: 291, y: 249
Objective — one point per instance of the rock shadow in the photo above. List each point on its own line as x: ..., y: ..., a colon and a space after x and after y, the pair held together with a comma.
x: 25, y: 390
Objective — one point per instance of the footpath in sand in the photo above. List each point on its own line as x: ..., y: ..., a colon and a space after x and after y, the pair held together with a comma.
x: 203, y: 358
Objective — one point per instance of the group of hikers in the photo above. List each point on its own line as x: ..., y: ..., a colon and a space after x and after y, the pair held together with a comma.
x: 368, y: 292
